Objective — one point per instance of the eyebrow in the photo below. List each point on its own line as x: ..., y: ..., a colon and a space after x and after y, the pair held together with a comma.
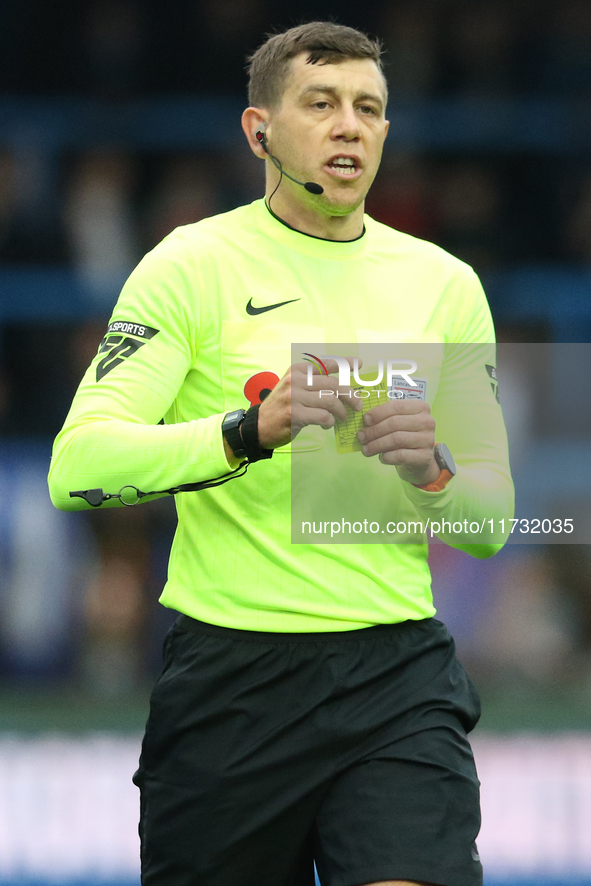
x: 364, y: 96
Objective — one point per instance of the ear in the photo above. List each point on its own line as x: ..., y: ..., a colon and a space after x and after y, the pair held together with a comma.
x: 253, y: 119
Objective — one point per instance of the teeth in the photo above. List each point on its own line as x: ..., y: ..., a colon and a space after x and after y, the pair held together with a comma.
x: 344, y: 164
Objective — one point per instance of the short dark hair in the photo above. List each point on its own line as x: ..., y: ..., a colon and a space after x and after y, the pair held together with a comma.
x: 325, y: 42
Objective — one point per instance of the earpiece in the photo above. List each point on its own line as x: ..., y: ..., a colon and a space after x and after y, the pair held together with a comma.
x: 260, y: 135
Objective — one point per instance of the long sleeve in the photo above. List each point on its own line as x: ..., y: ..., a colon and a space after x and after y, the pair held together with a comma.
x: 112, y: 435
x: 469, y: 420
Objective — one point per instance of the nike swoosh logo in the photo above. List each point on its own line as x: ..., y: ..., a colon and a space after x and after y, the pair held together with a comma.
x: 250, y: 309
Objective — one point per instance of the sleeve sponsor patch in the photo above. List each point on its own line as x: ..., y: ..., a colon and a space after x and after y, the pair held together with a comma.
x: 492, y: 372
x: 129, y: 328
x: 118, y: 344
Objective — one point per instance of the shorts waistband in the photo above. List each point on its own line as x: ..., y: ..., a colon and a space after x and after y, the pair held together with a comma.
x: 202, y: 627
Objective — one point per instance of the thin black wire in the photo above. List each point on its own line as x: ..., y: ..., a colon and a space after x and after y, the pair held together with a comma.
x: 280, y: 168
x: 96, y: 497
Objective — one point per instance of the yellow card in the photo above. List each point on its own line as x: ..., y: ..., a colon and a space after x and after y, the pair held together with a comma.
x: 346, y: 431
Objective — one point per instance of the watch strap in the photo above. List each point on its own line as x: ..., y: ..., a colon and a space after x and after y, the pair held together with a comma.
x: 447, y: 469
x: 249, y: 430
x: 438, y: 484
x: 231, y: 432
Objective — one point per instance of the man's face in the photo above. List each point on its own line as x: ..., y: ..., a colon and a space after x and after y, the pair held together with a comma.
x: 330, y: 129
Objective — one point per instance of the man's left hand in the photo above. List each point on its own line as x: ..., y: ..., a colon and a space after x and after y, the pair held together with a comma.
x: 402, y: 433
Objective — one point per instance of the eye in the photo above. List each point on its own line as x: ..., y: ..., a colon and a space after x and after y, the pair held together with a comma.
x: 321, y: 105
x: 367, y: 109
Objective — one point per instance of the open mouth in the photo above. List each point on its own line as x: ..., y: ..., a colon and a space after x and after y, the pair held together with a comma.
x: 343, y: 166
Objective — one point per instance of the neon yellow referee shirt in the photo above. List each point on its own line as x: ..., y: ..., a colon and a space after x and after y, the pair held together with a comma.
x: 181, y: 345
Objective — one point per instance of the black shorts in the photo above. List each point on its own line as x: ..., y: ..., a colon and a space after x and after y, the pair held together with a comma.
x: 266, y: 752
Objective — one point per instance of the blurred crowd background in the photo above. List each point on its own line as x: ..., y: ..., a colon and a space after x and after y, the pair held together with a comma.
x: 490, y: 196
x: 118, y: 122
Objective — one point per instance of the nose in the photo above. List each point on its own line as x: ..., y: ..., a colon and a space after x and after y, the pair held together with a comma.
x: 346, y: 125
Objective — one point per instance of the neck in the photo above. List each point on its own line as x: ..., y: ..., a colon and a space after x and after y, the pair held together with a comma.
x: 315, y: 219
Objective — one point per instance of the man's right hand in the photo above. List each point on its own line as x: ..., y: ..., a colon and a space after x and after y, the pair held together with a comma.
x: 293, y: 404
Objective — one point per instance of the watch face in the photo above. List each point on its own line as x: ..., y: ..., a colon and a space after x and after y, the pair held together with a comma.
x: 444, y: 459
x: 233, y: 419
x: 231, y: 431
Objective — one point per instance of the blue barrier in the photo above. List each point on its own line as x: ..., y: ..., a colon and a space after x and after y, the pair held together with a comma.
x: 558, y: 295
x: 540, y: 124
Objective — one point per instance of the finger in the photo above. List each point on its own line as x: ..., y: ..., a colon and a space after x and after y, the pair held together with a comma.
x: 395, y: 407
x: 393, y: 424
x: 332, y: 365
x: 329, y: 401
x: 401, y: 440
x: 408, y: 457
x: 330, y: 396
x: 304, y: 416
x: 324, y: 399
x: 317, y: 371
x: 321, y: 365
x: 347, y: 395
x: 308, y: 377
x: 320, y: 389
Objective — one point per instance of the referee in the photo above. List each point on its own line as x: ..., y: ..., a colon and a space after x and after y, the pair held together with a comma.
x: 310, y: 707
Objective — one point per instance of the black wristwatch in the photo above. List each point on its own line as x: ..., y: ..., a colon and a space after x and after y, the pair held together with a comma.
x: 231, y: 431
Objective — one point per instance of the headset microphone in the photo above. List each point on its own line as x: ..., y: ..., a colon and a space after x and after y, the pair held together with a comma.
x: 311, y: 187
